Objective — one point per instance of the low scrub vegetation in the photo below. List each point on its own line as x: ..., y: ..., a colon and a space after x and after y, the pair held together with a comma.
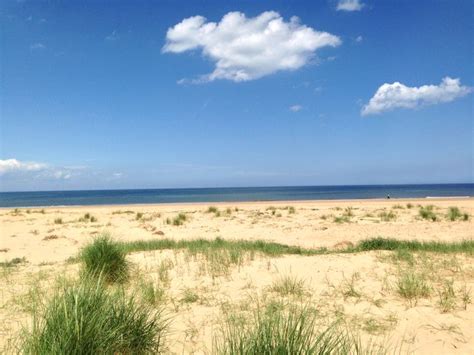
x: 13, y: 262
x: 427, y: 212
x: 88, y: 218
x: 454, y: 214
x: 387, y: 216
x: 178, y: 220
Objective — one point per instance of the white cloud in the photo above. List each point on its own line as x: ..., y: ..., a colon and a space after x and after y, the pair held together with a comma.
x: 296, y: 108
x: 16, y: 168
x: 359, y: 39
x: 248, y: 48
x: 349, y: 5
x: 113, y: 36
x: 61, y: 175
x: 37, y: 46
x: 396, y: 95
x: 10, y: 165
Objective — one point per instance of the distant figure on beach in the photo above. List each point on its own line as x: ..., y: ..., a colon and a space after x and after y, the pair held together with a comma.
x: 388, y: 197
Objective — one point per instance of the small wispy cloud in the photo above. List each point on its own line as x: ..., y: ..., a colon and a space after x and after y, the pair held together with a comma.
x: 113, y: 36
x: 397, y: 95
x: 296, y: 108
x: 359, y: 39
x: 349, y: 5
x: 37, y: 46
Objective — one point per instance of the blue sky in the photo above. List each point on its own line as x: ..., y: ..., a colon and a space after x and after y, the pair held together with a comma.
x: 146, y: 94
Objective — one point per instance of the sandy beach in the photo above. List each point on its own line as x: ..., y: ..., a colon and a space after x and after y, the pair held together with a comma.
x: 358, y: 289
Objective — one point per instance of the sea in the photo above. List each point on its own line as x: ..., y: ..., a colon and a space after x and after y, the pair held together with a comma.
x: 230, y: 194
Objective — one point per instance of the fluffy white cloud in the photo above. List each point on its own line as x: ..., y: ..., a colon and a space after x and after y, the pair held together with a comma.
x: 396, y: 95
x: 248, y: 48
x: 296, y: 108
x: 9, y: 165
x: 349, y: 5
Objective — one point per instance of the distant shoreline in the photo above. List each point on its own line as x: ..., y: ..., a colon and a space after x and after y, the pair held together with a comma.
x: 253, y: 202
x: 232, y: 195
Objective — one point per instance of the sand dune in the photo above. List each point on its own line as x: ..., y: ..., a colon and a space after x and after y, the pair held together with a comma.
x: 359, y: 289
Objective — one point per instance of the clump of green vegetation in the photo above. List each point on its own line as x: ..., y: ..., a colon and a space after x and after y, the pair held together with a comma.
x: 409, y: 205
x: 404, y: 255
x: 412, y: 286
x: 427, y: 212
x: 87, y: 319
x: 88, y: 218
x: 16, y: 212
x: 189, y: 296
x: 465, y: 296
x: 398, y: 207
x: 349, y: 287
x: 152, y: 294
x: 291, y: 210
x: 58, y: 221
x: 13, y: 262
x: 447, y: 297
x: 465, y: 246
x: 138, y: 216
x: 105, y: 258
x: 283, y: 329
x: 387, y: 216
x: 288, y: 286
x: 454, y: 213
x: 349, y: 212
x: 178, y: 220
x: 342, y: 219
x: 212, y: 209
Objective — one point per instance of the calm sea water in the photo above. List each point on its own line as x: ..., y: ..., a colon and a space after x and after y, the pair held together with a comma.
x: 111, y: 197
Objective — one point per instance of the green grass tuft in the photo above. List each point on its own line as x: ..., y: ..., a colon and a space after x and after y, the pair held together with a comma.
x: 87, y: 319
x: 105, y: 257
x: 412, y: 286
x: 428, y: 213
x: 387, y: 216
x: 283, y: 329
x: 288, y: 286
x: 212, y: 209
x: 454, y: 214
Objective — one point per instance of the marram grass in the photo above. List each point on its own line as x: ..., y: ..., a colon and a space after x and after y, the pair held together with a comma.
x: 105, y: 257
x: 277, y: 249
x: 88, y: 319
x: 286, y: 329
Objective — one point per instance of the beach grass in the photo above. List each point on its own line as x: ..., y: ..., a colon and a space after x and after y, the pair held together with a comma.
x: 106, y: 258
x: 427, y: 212
x: 235, y: 247
x: 454, y: 213
x: 288, y: 285
x: 87, y: 318
x: 277, y: 328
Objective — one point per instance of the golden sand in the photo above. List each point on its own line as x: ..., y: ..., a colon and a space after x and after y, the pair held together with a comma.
x: 358, y: 288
